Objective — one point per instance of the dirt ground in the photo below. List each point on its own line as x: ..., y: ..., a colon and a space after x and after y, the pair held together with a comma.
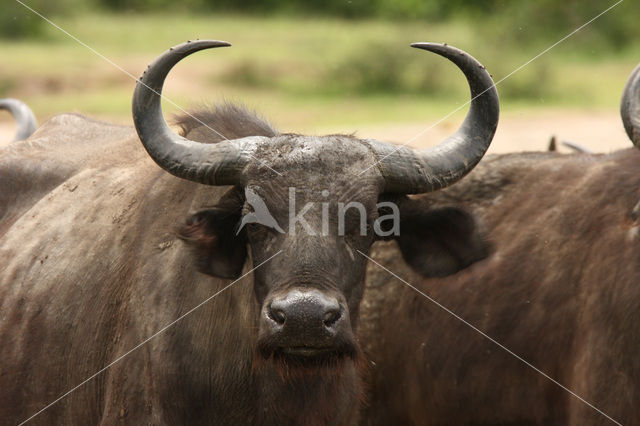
x: 597, y: 131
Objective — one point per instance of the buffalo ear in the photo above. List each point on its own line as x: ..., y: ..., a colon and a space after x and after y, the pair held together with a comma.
x: 437, y: 242
x: 211, y: 234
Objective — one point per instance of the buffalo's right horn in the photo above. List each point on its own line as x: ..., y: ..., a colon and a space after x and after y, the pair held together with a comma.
x: 630, y: 107
x: 25, y: 119
x: 219, y: 163
x: 416, y: 171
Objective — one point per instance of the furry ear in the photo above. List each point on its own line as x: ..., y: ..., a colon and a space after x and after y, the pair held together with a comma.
x: 437, y: 242
x: 211, y: 234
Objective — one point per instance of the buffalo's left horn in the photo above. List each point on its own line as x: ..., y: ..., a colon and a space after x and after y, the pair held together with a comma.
x: 630, y: 107
x: 417, y: 171
x: 25, y: 119
x: 219, y: 163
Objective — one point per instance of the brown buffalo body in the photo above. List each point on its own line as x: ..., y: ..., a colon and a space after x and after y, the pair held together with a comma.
x: 561, y: 289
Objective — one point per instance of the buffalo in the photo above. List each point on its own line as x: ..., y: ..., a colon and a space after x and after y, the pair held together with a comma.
x: 105, y: 318
x: 559, y: 295
x: 25, y: 120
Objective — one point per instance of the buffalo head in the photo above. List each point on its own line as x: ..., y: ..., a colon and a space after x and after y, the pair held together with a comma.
x: 325, y: 197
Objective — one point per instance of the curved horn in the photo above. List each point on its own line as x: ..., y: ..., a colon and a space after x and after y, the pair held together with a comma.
x: 219, y: 163
x: 630, y: 107
x: 416, y: 171
x: 24, y: 117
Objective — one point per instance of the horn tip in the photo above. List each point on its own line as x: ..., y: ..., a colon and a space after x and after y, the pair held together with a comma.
x: 194, y: 45
x: 442, y: 49
x: 428, y: 45
x: 212, y: 43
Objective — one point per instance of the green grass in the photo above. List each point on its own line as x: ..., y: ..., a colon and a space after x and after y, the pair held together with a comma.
x: 306, y: 74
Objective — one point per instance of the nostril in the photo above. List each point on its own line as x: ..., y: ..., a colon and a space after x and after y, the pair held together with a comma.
x: 331, y: 317
x: 277, y: 315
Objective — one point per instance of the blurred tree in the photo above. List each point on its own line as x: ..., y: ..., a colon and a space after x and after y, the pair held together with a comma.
x: 545, y: 20
x: 16, y: 21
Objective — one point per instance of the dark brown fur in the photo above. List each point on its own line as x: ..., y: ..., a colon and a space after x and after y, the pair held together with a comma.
x: 91, y: 269
x: 560, y: 289
x: 214, y: 123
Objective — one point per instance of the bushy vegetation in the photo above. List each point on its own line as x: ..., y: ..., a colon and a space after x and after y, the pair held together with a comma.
x: 543, y: 19
x: 18, y: 22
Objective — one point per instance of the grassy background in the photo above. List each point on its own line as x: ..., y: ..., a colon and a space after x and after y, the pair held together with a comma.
x: 312, y: 73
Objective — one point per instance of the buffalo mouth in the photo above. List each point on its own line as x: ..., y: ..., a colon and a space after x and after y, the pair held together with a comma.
x: 307, y: 351
x: 306, y: 355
